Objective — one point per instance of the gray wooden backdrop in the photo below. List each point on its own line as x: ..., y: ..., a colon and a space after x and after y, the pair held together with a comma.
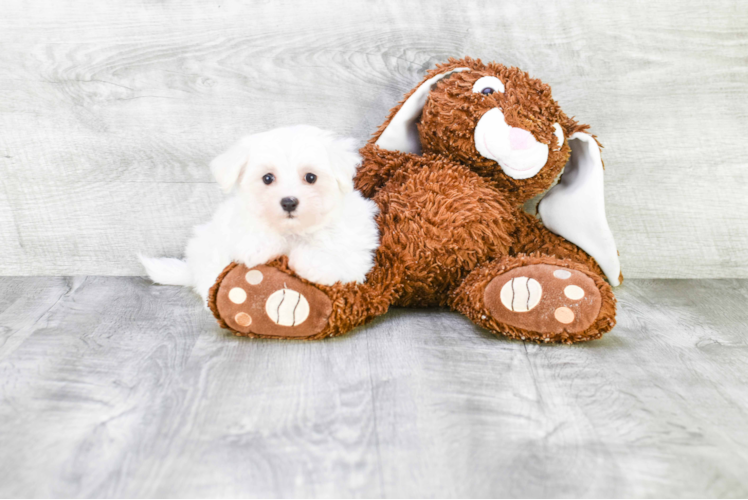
x: 111, y: 111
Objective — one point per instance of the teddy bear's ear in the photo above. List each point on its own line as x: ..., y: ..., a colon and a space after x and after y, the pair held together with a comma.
x: 575, y: 207
x: 401, y: 133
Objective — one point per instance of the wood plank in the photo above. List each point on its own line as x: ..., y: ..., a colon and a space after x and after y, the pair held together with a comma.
x: 24, y: 305
x: 125, y: 389
x: 109, y: 113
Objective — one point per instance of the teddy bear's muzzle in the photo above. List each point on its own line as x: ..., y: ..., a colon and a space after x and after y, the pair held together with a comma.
x: 515, y: 149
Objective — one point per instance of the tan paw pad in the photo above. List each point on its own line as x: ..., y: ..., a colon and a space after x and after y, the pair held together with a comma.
x: 574, y: 292
x: 243, y: 319
x: 253, y: 277
x: 287, y: 307
x: 237, y: 295
x: 562, y: 274
x: 564, y: 315
x: 521, y: 294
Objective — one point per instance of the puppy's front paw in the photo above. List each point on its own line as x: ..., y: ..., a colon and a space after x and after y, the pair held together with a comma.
x: 265, y: 302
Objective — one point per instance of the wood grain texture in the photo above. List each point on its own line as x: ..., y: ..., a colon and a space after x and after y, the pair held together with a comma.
x: 111, y: 111
x: 117, y: 388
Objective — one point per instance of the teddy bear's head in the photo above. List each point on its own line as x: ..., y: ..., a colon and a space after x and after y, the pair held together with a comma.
x: 506, y: 127
x: 497, y: 120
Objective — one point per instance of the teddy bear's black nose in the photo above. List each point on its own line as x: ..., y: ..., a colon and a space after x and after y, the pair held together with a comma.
x: 289, y: 204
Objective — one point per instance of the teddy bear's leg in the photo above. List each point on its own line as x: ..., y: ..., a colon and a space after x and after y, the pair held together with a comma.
x: 537, y: 297
x: 532, y: 236
x: 269, y: 301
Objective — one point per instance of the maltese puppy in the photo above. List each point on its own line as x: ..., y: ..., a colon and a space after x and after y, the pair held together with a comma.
x: 292, y: 194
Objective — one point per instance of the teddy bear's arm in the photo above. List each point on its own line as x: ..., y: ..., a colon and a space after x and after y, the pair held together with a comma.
x: 377, y: 168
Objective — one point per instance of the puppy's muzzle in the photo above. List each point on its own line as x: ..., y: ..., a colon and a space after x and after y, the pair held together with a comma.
x: 289, y: 203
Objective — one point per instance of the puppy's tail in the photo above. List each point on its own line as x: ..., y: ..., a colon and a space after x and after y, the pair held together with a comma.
x: 167, y: 271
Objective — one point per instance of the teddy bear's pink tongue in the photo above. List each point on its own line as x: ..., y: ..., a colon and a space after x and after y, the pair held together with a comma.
x: 519, y: 138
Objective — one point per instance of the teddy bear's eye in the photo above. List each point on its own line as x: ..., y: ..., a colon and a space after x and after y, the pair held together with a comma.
x: 488, y: 85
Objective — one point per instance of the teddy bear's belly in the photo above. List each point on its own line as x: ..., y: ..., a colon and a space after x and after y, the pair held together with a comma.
x: 438, y: 223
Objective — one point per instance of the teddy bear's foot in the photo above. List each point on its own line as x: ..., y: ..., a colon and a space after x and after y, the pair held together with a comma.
x: 265, y: 302
x: 544, y: 298
x: 538, y: 298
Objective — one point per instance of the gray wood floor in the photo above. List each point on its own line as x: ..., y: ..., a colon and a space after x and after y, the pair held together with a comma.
x: 114, y: 387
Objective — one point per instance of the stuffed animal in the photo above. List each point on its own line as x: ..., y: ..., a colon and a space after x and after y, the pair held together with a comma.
x: 450, y: 170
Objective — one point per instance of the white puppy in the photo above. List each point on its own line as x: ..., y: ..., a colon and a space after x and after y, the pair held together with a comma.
x: 292, y: 195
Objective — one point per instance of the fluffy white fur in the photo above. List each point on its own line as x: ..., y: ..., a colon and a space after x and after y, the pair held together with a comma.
x: 331, y: 236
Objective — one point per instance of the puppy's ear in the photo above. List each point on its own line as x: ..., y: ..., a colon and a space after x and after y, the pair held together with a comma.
x: 344, y: 160
x: 229, y: 167
x: 575, y: 207
x: 401, y: 133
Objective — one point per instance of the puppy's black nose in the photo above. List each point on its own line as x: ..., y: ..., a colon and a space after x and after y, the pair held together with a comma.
x: 289, y: 204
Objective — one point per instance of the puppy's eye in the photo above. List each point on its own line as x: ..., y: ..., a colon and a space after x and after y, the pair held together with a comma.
x: 268, y: 178
x: 488, y: 85
x: 310, y: 178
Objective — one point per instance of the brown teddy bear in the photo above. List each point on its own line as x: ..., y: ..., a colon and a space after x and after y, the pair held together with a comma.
x: 450, y: 169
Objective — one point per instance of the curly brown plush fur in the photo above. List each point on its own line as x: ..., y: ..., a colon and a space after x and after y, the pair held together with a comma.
x: 451, y: 220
